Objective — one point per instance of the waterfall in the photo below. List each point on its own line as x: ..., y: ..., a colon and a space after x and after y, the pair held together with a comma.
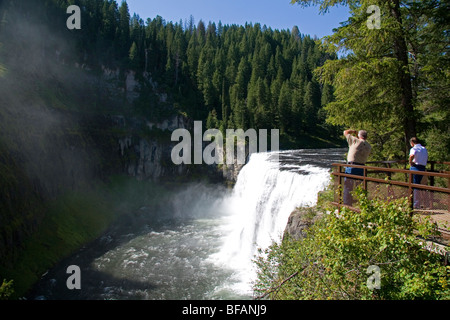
x: 265, y: 194
x: 201, y: 243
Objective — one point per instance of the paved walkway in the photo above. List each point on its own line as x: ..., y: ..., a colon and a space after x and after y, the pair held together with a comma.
x: 442, y: 219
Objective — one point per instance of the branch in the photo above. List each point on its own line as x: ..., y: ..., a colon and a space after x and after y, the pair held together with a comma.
x: 277, y: 287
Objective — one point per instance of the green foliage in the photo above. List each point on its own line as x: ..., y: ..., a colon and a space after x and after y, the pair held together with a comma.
x: 399, y: 71
x: 331, y: 262
x: 6, y: 289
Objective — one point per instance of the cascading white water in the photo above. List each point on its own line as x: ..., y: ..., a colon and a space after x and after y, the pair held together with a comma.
x: 265, y: 194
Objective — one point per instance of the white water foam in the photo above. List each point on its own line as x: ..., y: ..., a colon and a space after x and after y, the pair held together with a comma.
x: 264, y: 196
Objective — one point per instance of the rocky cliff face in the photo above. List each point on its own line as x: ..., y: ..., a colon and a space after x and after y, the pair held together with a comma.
x: 149, y: 157
x: 230, y: 172
x: 146, y: 150
x: 300, y: 220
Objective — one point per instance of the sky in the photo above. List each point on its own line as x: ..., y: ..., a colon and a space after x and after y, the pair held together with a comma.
x: 276, y: 14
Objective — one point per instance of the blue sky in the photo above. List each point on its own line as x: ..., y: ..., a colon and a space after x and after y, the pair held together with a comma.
x: 277, y: 14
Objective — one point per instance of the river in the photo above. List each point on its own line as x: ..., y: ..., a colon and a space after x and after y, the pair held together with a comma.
x: 204, y: 248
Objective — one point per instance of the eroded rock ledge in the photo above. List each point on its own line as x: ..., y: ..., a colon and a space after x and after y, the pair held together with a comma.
x: 300, y: 220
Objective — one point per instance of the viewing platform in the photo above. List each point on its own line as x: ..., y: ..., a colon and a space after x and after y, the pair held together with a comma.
x: 432, y: 195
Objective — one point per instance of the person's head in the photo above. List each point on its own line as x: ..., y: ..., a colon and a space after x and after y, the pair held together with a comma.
x: 362, y: 134
x: 413, y: 141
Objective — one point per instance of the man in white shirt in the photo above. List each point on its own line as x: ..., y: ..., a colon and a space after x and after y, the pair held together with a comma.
x: 418, y: 158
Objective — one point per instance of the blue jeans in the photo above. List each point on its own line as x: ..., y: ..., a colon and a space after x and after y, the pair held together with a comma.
x: 417, y: 178
x: 349, y: 183
x: 355, y: 171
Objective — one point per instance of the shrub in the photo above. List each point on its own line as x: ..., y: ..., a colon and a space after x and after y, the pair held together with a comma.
x: 6, y: 289
x: 333, y: 260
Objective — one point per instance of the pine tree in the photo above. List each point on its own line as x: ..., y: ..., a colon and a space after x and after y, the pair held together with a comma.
x: 134, y: 56
x: 284, y: 108
x: 193, y: 55
x: 123, y: 29
x: 201, y: 31
x: 383, y: 68
x: 212, y: 122
x: 311, y: 104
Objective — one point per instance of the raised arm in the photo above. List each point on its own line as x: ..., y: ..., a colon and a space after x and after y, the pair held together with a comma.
x: 349, y: 131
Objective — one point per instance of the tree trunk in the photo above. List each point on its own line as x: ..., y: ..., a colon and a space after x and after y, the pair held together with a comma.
x: 401, y: 53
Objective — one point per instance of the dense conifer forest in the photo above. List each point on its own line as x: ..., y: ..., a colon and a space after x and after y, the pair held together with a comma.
x: 228, y: 76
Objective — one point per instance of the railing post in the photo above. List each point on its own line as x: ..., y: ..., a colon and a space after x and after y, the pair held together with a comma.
x: 340, y: 186
x: 410, y: 191
x: 365, y: 180
x: 448, y: 195
x: 432, y: 170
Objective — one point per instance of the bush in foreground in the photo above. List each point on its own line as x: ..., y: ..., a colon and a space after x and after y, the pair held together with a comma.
x: 375, y: 254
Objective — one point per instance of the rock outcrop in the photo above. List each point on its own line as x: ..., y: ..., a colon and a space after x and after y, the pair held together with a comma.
x: 300, y: 220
